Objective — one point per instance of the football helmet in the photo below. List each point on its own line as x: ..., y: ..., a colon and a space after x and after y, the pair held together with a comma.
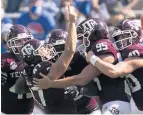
x: 34, y: 51
x: 91, y: 30
x: 57, y: 39
x: 17, y: 35
x: 126, y: 33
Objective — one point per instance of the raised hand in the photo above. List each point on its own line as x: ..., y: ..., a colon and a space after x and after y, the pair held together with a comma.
x: 72, y: 14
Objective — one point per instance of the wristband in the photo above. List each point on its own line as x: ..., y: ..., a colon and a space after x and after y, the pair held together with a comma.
x: 93, y: 59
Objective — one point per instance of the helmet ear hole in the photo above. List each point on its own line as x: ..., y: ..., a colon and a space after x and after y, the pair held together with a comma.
x: 134, y: 34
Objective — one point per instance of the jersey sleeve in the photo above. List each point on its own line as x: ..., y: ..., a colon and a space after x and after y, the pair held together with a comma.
x: 3, y: 78
x: 28, y: 77
x: 133, y: 51
x: 4, y: 69
x: 6, y: 60
x: 4, y: 64
x: 77, y: 64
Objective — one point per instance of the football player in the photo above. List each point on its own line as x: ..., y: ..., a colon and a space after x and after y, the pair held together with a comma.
x: 57, y: 38
x: 38, y: 56
x: 127, y: 37
x: 63, y: 62
x: 94, y: 35
x: 12, y: 68
x: 54, y: 100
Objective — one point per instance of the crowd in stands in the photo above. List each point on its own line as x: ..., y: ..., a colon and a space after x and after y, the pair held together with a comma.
x: 42, y: 16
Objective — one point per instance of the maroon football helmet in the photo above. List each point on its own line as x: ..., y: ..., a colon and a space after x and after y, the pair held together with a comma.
x: 34, y: 51
x: 127, y: 33
x: 91, y: 30
x: 17, y: 35
x: 57, y: 39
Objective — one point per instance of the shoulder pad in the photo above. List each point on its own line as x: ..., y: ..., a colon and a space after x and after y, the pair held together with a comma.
x: 8, y: 62
x: 104, y: 47
x: 133, y: 51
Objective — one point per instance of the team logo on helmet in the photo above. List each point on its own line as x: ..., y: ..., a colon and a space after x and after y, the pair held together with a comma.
x: 27, y: 49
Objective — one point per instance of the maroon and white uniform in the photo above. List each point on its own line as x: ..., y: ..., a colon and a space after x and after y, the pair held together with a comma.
x: 111, y: 91
x: 84, y: 105
x: 135, y: 79
x: 12, y: 103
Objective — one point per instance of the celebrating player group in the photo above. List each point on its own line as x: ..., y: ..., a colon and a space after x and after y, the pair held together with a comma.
x: 86, y: 70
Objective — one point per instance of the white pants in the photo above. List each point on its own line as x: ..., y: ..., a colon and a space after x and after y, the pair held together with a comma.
x: 134, y: 109
x: 116, y: 107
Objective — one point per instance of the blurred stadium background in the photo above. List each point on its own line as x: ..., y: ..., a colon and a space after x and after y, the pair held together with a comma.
x: 42, y: 16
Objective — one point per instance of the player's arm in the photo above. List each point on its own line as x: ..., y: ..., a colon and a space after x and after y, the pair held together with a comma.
x: 61, y: 65
x: 87, y: 74
x: 122, y: 68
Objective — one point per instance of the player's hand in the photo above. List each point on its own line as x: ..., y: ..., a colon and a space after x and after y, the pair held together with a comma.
x: 88, y: 56
x: 72, y: 14
x: 43, y: 83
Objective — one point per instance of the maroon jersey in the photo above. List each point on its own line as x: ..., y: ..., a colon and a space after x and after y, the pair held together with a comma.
x: 52, y: 100
x: 133, y: 51
x: 12, y: 103
x: 85, y: 105
x: 108, y: 86
x: 135, y: 79
x: 104, y: 47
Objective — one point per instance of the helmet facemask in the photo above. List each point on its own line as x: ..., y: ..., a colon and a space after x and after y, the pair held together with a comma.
x: 83, y: 43
x: 16, y: 43
x: 32, y: 55
x: 59, y: 46
x: 47, y: 52
x: 124, y: 39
